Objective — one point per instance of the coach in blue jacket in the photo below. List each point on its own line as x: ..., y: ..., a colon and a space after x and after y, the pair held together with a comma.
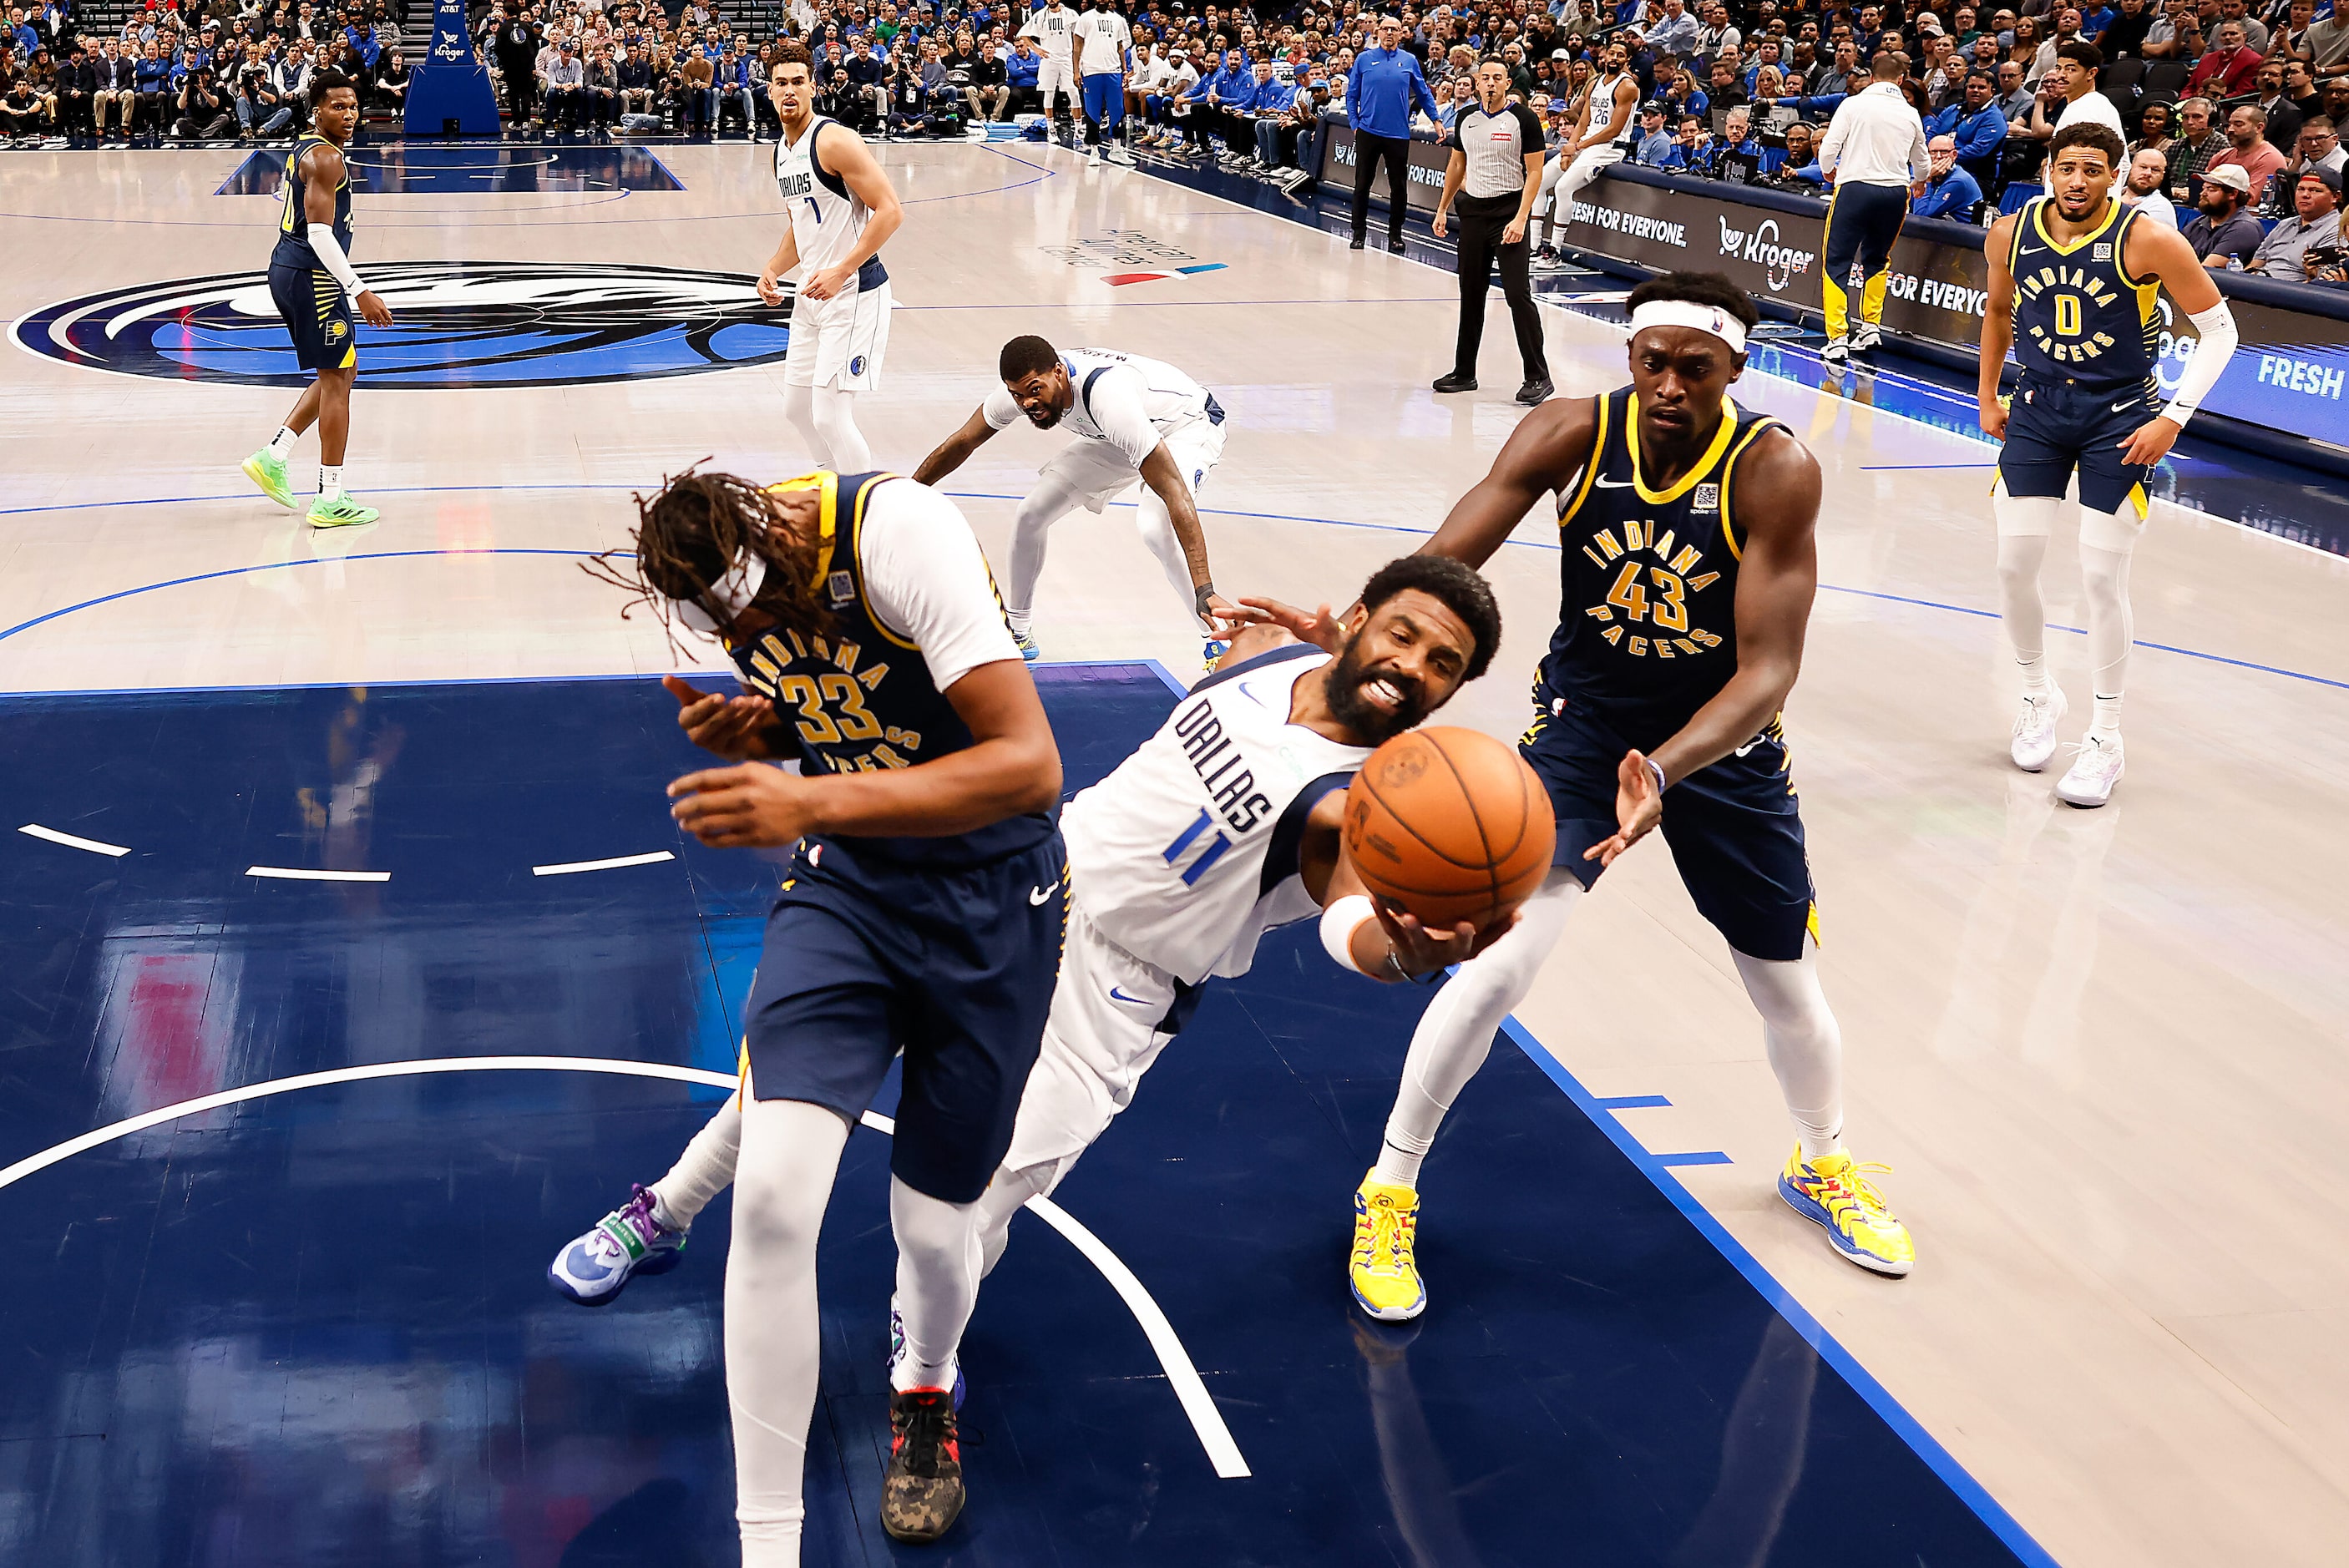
x: 1379, y: 92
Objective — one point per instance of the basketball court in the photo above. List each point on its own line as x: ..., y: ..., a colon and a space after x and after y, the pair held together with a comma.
x: 289, y: 1152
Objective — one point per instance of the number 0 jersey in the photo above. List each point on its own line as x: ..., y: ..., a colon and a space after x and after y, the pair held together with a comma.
x: 1186, y: 854
x: 1647, y: 630
x: 292, y: 218
x: 862, y: 696
x: 2079, y: 316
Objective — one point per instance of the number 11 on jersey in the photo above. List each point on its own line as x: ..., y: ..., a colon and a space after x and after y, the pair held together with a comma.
x: 1207, y: 857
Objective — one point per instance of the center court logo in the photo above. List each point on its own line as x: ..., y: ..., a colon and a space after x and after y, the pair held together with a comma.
x: 458, y: 324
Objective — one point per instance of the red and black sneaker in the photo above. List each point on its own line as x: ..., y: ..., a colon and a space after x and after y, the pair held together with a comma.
x: 922, y: 1492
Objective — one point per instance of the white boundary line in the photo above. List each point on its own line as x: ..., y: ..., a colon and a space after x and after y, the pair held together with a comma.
x: 1215, y: 1436
x: 71, y: 842
x: 302, y: 874
x: 567, y: 866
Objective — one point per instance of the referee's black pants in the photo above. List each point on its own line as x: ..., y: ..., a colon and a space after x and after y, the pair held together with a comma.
x: 1482, y: 221
x: 1369, y: 152
x: 1862, y: 222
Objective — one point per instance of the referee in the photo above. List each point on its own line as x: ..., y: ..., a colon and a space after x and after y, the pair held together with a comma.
x: 1496, y: 172
x: 1874, y: 150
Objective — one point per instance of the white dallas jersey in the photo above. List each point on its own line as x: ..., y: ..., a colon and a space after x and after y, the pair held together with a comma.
x: 1053, y: 26
x: 827, y: 219
x: 1602, y: 108
x: 1122, y: 400
x: 1107, y: 38
x: 1186, y: 855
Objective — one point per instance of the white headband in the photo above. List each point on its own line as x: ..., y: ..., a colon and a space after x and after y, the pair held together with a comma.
x: 732, y: 593
x: 1682, y: 313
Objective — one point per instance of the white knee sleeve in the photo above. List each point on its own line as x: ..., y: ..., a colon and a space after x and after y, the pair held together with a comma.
x: 2024, y: 525
x: 937, y: 1282
x: 835, y: 424
x: 2111, y: 624
x: 706, y: 1168
x: 1805, y: 1045
x: 1455, y: 1032
x: 790, y: 1154
x: 799, y: 409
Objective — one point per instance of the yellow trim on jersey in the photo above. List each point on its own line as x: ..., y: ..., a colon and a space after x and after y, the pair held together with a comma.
x: 1728, y: 468
x: 1590, y: 466
x: 857, y: 525
x: 1701, y: 467
x: 827, y: 484
x: 2113, y: 210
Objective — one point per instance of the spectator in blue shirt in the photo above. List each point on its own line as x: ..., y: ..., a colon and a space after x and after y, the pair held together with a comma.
x: 1692, y: 149
x: 1381, y: 92
x: 1674, y: 32
x: 1655, y: 141
x: 1950, y: 192
x: 1976, y: 126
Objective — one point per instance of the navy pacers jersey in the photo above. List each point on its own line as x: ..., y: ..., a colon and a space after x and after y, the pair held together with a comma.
x: 1647, y: 631
x: 2079, y: 316
x: 294, y: 222
x: 860, y: 696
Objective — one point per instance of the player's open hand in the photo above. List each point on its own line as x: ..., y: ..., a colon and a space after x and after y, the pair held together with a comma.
x: 1317, y: 627
x: 1638, y: 806
x: 1423, y: 949
x: 2149, y: 442
x: 749, y: 806
x: 372, y: 309
x: 736, y: 728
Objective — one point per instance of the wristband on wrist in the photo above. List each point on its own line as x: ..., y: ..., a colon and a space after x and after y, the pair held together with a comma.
x: 1655, y: 771
x: 1199, y: 597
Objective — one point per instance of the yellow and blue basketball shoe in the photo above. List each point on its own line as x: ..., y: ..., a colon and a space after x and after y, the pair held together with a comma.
x: 1027, y: 646
x: 593, y: 1269
x: 1833, y: 1192
x: 1384, y: 1278
x: 267, y: 469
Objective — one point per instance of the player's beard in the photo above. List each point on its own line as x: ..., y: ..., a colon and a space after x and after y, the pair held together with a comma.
x: 1342, y: 687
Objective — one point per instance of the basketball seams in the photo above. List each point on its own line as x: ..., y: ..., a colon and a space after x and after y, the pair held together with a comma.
x: 1468, y: 798
x: 1395, y: 817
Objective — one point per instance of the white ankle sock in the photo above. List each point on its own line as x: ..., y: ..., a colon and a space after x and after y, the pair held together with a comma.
x: 1020, y: 620
x: 330, y: 480
x: 281, y: 445
x: 2106, y: 724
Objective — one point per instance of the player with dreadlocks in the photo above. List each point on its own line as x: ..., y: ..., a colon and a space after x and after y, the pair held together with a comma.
x: 924, y: 908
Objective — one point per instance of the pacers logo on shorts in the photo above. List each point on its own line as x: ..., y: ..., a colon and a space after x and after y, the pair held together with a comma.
x: 336, y: 331
x: 458, y: 324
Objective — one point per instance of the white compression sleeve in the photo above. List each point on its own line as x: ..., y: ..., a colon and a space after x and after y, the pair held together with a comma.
x: 1804, y: 1043
x: 705, y: 1169
x: 1045, y: 505
x: 2024, y: 525
x: 2112, y: 624
x: 329, y: 251
x: 790, y: 1153
x: 937, y: 1282
x: 799, y: 409
x: 2217, y: 327
x: 835, y: 422
x: 1455, y: 1032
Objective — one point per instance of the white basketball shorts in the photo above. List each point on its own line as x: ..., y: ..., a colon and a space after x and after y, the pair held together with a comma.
x: 840, y: 342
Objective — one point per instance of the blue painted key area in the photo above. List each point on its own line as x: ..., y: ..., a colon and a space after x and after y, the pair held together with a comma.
x: 313, y: 1328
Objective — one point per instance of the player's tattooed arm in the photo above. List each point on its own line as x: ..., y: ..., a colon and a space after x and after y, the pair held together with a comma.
x: 1778, y: 575
x: 1549, y: 446
x: 956, y: 450
x: 1014, y: 767
x: 1165, y: 481
x: 1997, y: 328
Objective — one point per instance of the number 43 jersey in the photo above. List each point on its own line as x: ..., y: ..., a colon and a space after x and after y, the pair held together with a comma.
x: 1186, y: 854
x: 1647, y: 630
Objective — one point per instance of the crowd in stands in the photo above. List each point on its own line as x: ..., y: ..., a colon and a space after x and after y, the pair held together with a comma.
x: 2230, y: 109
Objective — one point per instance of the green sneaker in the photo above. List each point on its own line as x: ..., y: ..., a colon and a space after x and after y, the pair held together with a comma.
x: 268, y: 470
x: 340, y: 511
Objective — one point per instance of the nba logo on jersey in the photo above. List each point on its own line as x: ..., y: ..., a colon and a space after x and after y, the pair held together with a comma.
x: 1707, y: 499
x: 842, y: 589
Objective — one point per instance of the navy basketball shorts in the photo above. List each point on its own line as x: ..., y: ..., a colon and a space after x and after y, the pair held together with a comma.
x: 317, y: 316
x: 862, y: 957
x: 2053, y: 428
x: 1735, y: 828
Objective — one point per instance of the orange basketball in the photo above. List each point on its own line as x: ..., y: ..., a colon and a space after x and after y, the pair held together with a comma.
x: 1451, y: 825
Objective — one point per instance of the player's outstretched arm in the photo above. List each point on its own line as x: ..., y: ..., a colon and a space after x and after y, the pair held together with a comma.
x: 1778, y: 575
x: 844, y: 152
x: 1997, y: 328
x: 1548, y: 446
x: 1165, y: 482
x: 1012, y: 766
x: 956, y: 450
x: 2164, y: 254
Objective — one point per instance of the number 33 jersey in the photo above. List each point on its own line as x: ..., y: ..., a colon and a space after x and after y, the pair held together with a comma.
x: 1647, y: 630
x: 1186, y: 854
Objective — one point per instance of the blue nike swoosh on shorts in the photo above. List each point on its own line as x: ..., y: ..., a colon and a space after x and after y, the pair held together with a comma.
x: 1117, y: 995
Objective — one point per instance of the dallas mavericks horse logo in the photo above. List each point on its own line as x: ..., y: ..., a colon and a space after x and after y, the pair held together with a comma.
x: 460, y: 324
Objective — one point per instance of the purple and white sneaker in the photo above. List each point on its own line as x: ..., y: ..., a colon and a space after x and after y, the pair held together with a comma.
x: 898, y: 1353
x: 626, y: 1243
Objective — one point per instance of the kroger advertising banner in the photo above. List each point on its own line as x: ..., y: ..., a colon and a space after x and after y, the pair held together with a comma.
x: 2288, y: 376
x: 450, y: 88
